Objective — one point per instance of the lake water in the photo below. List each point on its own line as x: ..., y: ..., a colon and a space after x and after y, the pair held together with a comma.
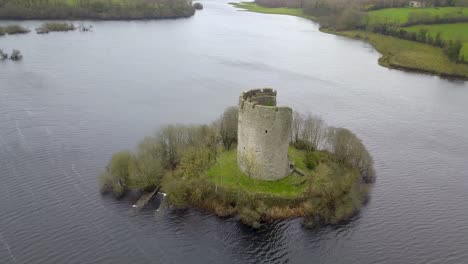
x: 76, y: 98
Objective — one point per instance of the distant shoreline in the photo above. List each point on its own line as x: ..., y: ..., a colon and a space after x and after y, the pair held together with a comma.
x: 92, y: 19
x: 390, y: 48
x: 96, y: 10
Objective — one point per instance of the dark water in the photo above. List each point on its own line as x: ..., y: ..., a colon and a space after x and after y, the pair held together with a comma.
x: 78, y: 97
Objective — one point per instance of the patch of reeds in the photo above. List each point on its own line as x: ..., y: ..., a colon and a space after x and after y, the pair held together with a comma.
x: 13, y: 29
x: 55, y: 27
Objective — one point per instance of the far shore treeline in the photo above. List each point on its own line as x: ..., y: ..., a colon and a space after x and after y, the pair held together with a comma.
x: 196, y: 166
x: 95, y: 9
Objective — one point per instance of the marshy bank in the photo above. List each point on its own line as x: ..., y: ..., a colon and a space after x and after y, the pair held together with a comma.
x: 196, y: 166
x: 13, y: 30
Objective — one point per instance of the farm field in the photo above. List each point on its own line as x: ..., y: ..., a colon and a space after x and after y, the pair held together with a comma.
x: 457, y: 31
x: 402, y: 15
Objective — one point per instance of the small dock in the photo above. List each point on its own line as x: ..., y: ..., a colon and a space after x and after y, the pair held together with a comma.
x: 145, y: 199
x: 299, y: 171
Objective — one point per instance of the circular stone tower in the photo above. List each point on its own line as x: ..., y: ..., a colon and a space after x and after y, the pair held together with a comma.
x: 263, y: 135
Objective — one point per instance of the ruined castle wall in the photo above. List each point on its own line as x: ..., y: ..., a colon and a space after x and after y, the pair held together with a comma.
x: 263, y: 135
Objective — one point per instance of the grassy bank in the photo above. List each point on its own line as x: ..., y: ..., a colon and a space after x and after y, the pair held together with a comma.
x: 95, y: 9
x: 410, y: 55
x: 406, y: 15
x: 252, y: 7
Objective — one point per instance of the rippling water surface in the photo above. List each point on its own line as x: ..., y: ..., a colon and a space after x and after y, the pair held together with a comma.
x: 78, y: 97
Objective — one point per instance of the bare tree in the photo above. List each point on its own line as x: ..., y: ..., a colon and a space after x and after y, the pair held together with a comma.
x: 348, y: 149
x: 297, y: 124
x: 313, y: 131
x: 228, y: 126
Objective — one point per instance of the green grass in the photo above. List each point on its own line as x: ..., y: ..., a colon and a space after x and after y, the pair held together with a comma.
x: 226, y: 173
x: 401, y: 15
x: 409, y: 55
x: 252, y: 7
x: 457, y: 31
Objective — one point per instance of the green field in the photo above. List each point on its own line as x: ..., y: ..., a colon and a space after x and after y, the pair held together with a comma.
x: 401, y: 15
x: 226, y: 173
x: 251, y: 6
x: 410, y: 55
x: 457, y: 31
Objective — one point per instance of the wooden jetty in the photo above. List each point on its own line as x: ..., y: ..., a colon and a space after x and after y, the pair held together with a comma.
x: 146, y: 198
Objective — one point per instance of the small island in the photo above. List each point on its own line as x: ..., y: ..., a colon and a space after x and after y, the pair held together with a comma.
x: 258, y: 162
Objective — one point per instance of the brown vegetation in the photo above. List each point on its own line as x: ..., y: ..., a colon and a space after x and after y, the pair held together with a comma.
x: 52, y: 26
x: 13, y: 29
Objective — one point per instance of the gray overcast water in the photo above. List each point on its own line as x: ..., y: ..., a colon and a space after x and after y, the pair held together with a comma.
x: 76, y: 98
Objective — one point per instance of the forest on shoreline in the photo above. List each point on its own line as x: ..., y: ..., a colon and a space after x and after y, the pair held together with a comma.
x: 95, y: 9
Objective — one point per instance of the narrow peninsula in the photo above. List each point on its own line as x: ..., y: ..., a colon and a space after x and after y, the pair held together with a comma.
x: 258, y: 162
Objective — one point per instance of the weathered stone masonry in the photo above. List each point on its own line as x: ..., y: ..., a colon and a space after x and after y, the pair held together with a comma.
x: 263, y: 135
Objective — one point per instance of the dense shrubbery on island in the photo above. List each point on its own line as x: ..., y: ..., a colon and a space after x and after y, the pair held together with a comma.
x: 95, y: 9
x: 196, y: 166
x: 198, y: 6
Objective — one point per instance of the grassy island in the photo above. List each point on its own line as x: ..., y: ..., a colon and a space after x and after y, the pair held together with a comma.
x: 95, y: 9
x: 57, y: 27
x: 196, y: 166
x: 430, y: 39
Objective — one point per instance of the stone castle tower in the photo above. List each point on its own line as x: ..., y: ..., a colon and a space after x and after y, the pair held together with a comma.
x: 263, y: 135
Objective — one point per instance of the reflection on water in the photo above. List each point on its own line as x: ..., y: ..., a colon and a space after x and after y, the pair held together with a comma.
x: 78, y: 97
